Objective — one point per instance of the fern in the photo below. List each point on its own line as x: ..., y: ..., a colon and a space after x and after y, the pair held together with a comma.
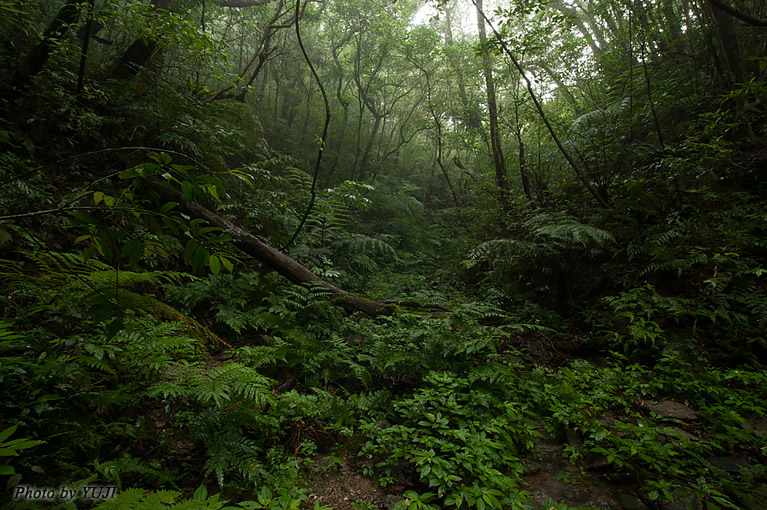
x: 113, y: 470
x: 259, y: 356
x: 361, y: 243
x: 232, y: 382
x: 231, y: 452
x: 554, y: 257
x: 676, y: 265
x: 140, y: 499
x: 566, y: 230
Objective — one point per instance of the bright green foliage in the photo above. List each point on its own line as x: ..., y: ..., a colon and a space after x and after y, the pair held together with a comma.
x: 462, y: 442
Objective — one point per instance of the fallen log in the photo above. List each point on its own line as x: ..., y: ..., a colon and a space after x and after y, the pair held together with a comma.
x: 278, y: 261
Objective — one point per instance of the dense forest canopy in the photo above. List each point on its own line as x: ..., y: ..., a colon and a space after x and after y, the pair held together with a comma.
x: 383, y: 254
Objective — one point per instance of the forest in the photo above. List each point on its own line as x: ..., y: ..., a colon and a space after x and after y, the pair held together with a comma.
x: 383, y: 254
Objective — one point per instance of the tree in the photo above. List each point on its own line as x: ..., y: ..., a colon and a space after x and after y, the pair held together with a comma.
x: 34, y: 62
x: 501, y: 181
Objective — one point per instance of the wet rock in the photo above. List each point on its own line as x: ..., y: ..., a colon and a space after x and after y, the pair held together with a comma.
x: 598, y: 463
x: 727, y: 463
x: 532, y: 467
x: 759, y: 426
x: 574, y: 439
x: 683, y: 500
x: 620, y: 477
x: 671, y: 409
x: 630, y: 502
x: 388, y: 502
x: 576, y: 493
x: 677, y: 433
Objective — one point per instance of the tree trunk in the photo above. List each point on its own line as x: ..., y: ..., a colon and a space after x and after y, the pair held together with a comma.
x: 141, y: 51
x: 270, y: 257
x: 495, y: 145
x: 35, y: 61
x: 573, y: 164
x: 368, y: 147
x: 278, y: 261
x: 728, y: 36
x: 471, y: 115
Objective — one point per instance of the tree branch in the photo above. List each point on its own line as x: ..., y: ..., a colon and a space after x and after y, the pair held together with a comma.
x: 732, y: 11
x: 324, y: 135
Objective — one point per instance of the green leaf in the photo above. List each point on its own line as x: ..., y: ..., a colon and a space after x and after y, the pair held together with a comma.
x: 7, y: 432
x: 201, y: 494
x: 13, y: 481
x: 200, y: 258
x: 131, y: 173
x: 189, y: 250
x: 213, y: 191
x: 187, y: 188
x: 160, y: 157
x: 167, y: 206
x: 134, y: 250
x: 219, y: 239
x: 215, y: 264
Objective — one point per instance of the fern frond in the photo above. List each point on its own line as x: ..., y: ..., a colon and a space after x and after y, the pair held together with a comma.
x: 361, y: 243
x: 130, y: 279
x: 567, y: 229
x: 218, y: 384
x: 233, y: 452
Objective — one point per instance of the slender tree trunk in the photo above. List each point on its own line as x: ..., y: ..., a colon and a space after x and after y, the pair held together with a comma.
x: 561, y: 87
x: 345, y: 105
x: 358, y: 145
x: 471, y: 116
x: 368, y: 147
x: 492, y: 106
x: 571, y: 161
x: 727, y: 34
x: 576, y: 19
x: 84, y: 50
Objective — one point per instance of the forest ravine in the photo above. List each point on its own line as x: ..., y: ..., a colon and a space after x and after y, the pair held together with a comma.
x: 383, y: 254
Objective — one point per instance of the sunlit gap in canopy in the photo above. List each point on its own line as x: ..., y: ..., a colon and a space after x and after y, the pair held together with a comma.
x: 462, y: 18
x: 463, y: 24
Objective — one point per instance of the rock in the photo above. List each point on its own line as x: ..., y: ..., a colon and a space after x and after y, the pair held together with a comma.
x: 677, y: 433
x: 531, y: 467
x: 619, y: 477
x: 759, y: 426
x: 726, y: 463
x: 671, y: 409
x: 388, y: 501
x: 683, y: 500
x: 598, y: 463
x: 574, y: 439
x: 630, y: 502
